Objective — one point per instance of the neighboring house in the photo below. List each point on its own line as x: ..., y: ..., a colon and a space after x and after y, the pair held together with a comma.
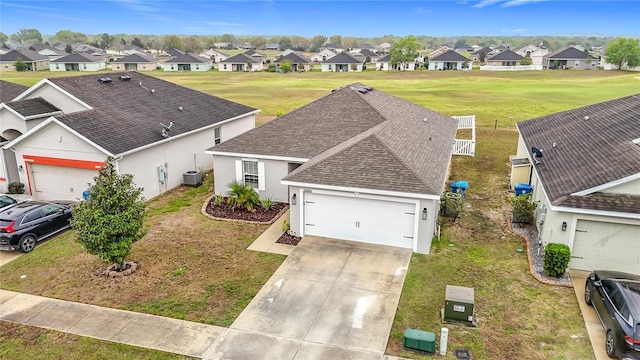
x: 587, y: 182
x: 240, y: 62
x: 84, y: 119
x: 272, y: 46
x: 569, y: 57
x: 535, y: 53
x: 322, y: 56
x: 187, y: 62
x: 449, y: 60
x: 342, y: 62
x: 608, y: 66
x: 174, y: 52
x: 78, y: 62
x: 222, y: 45
x: 299, y: 62
x: 47, y: 50
x: 365, y: 46
x: 384, y: 64
x: 136, y: 62
x: 10, y: 90
x: 368, y: 54
x: 122, y: 50
x: 84, y: 48
x: 465, y: 49
x: 256, y: 56
x: 358, y: 56
x: 504, y: 58
x: 357, y: 164
x: 336, y: 48
x: 383, y: 47
x: 439, y: 51
x: 34, y: 61
x: 215, y: 55
x: 480, y: 55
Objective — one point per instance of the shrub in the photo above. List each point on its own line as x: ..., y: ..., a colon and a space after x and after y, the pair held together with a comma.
x: 15, y: 188
x: 523, y: 208
x: 242, y: 196
x: 286, y: 225
x: 267, y: 203
x: 556, y: 259
x: 218, y: 199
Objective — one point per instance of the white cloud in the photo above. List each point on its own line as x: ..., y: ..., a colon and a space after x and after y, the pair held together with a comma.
x: 514, y: 31
x: 505, y: 3
x: 137, y: 5
x: 484, y: 3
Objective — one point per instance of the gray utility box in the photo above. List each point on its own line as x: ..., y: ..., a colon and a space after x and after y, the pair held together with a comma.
x: 459, y: 304
x: 192, y: 178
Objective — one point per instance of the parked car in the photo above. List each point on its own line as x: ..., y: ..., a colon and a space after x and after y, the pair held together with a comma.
x: 616, y: 298
x: 23, y: 224
x: 6, y: 200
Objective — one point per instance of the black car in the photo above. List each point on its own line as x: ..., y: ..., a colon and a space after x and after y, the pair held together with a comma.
x: 616, y: 298
x: 23, y: 224
x: 6, y: 200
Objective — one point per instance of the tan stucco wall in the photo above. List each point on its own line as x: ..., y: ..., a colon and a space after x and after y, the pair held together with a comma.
x: 631, y: 187
x: 57, y: 98
x: 9, y: 121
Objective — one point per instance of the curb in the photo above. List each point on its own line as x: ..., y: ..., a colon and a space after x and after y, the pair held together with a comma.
x: 533, y: 273
x: 204, y: 212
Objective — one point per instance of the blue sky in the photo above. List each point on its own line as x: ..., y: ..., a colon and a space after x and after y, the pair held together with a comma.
x: 308, y: 18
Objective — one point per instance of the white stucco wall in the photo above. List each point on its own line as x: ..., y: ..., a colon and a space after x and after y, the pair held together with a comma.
x: 10, y: 121
x: 57, y: 98
x: 81, y: 66
x: 332, y: 67
x: 194, y: 67
x: 224, y: 168
x: 631, y: 187
x: 439, y: 65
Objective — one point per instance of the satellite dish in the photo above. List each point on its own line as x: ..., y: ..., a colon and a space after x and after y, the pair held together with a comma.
x: 537, y: 152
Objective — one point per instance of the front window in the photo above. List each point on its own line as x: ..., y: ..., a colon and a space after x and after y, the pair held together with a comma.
x: 217, y: 139
x: 250, y: 173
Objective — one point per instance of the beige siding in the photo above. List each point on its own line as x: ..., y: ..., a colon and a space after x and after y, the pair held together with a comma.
x: 631, y: 187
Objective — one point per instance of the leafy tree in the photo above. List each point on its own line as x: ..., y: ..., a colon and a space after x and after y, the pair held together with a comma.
x: 111, y: 220
x: 228, y: 38
x: 137, y: 42
x: 285, y: 43
x: 405, y: 50
x: 286, y: 66
x: 68, y: 36
x: 123, y: 41
x: 258, y: 41
x: 299, y: 43
x: 242, y: 196
x: 5, y: 46
x: 349, y: 42
x: 193, y: 45
x: 465, y: 64
x: 3, y: 37
x: 172, y: 42
x: 623, y: 51
x: 105, y: 41
x: 20, y: 65
x: 336, y: 39
x: 317, y: 42
x: 68, y: 49
x: 27, y: 36
x: 526, y: 60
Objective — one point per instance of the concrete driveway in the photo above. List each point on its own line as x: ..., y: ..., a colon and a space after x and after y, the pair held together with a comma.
x: 329, y: 299
x: 591, y: 320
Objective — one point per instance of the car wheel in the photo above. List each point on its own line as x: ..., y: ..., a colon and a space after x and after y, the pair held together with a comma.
x: 587, y: 293
x: 27, y: 243
x: 610, y: 345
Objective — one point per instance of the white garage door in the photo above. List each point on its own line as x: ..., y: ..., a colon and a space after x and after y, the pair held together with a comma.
x: 59, y: 182
x: 358, y: 219
x: 606, y: 246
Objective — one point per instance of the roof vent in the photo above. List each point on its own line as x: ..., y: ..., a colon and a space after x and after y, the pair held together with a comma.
x: 153, y: 91
x: 362, y: 90
x: 180, y: 108
x: 125, y: 77
x: 105, y: 80
x: 586, y: 117
x: 368, y: 88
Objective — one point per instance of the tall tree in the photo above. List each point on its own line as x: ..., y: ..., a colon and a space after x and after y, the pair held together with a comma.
x: 27, y: 36
x: 258, y: 42
x: 68, y: 36
x: 317, y: 42
x: 350, y: 42
x: 123, y: 41
x: 172, y: 42
x: 228, y: 38
x: 336, y: 39
x: 623, y: 51
x: 405, y: 50
x: 68, y: 49
x: 110, y: 220
x: 299, y: 43
x: 137, y: 42
x: 193, y: 45
x: 105, y: 41
x: 3, y: 37
x: 285, y: 43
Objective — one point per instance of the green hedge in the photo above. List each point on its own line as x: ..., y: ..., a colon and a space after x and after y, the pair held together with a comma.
x: 556, y: 259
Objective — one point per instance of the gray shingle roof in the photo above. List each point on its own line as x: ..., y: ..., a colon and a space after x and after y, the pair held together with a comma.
x: 78, y: 58
x: 386, y: 58
x: 31, y: 107
x: 367, y: 52
x: 506, y: 55
x: 367, y: 140
x: 126, y: 115
x: 294, y: 57
x: 25, y: 54
x: 449, y: 55
x: 484, y: 50
x: 175, y: 52
x: 238, y: 59
x: 137, y: 58
x: 589, y: 151
x: 187, y: 59
x: 568, y: 52
x: 342, y: 58
x: 10, y: 90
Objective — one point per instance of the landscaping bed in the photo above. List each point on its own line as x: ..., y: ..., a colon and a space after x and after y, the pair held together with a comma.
x: 259, y: 214
x: 288, y: 239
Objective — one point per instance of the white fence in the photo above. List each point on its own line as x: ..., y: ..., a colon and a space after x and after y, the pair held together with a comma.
x: 511, y: 68
x: 465, y: 146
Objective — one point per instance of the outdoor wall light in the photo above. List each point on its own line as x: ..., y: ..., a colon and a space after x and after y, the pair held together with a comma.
x: 564, y: 226
x: 20, y: 167
x: 294, y: 199
x: 424, y: 214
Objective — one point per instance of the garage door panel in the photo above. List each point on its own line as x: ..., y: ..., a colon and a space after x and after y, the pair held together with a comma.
x: 360, y: 219
x: 59, y: 182
x: 606, y: 246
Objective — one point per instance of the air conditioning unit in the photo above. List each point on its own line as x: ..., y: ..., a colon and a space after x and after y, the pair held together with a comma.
x: 192, y: 178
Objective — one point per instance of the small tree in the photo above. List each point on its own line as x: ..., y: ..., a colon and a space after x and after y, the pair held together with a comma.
x: 249, y: 65
x: 465, y: 64
x: 286, y: 66
x: 526, y: 60
x: 242, y: 196
x: 523, y: 208
x: 20, y: 65
x: 110, y: 221
x: 354, y: 67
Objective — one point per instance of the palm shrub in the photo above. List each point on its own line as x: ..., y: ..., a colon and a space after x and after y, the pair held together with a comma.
x: 556, y: 259
x: 242, y: 196
x: 267, y: 203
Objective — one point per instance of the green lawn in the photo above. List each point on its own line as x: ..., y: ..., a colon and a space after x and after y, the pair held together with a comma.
x: 518, y: 317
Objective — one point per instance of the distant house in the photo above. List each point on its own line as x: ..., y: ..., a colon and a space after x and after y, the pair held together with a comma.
x: 384, y: 64
x: 33, y: 60
x: 322, y: 56
x: 480, y: 55
x: 383, y: 47
x: 505, y: 58
x: 465, y: 49
x: 358, y: 56
x: 257, y: 57
x: 121, y: 50
x: 298, y: 61
x: 215, y: 55
x: 47, y: 50
x: 272, y: 46
x: 175, y: 52
x: 535, y: 53
x: 241, y: 62
x: 336, y: 48
x: 365, y: 46
x: 438, y: 51
x: 136, y: 62
x: 569, y: 57
x: 372, y: 56
x: 188, y: 62
x: 222, y: 45
x: 343, y: 62
x: 77, y: 62
x: 449, y: 60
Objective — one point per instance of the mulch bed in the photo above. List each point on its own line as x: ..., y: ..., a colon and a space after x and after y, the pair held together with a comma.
x: 258, y: 214
x: 288, y: 239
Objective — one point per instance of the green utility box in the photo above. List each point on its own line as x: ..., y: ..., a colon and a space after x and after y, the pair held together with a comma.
x: 420, y: 340
x: 458, y: 304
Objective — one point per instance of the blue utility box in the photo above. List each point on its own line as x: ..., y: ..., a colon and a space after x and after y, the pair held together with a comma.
x: 459, y: 186
x: 521, y: 189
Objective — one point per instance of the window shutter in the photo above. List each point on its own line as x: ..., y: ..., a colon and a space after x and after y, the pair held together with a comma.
x: 261, y: 177
x: 239, y: 170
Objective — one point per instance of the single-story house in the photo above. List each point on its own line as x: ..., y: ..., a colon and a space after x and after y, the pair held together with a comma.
x: 368, y: 54
x: 480, y: 55
x: 535, y: 53
x: 322, y: 56
x: 357, y: 164
x: 187, y: 62
x: 336, y: 48
x: 365, y: 46
x: 122, y: 50
x: 33, y: 60
x: 298, y: 61
x: 383, y: 47
x: 384, y: 64
x: 569, y: 57
x: 342, y: 62
x: 257, y: 57
x: 156, y: 131
x: 272, y: 46
x: 240, y: 62
x: 136, y: 62
x: 448, y: 60
x: 215, y: 55
x: 47, y: 50
x: 78, y: 62
x: 10, y: 90
x: 584, y: 168
x: 504, y: 58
